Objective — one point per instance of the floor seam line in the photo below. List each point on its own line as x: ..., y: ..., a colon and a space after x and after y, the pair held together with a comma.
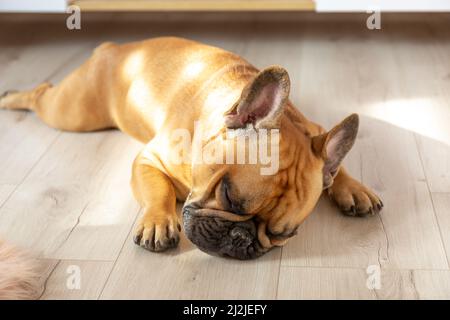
x: 48, y: 278
x: 119, y: 254
x: 431, y: 199
x: 279, y: 274
x: 29, y: 171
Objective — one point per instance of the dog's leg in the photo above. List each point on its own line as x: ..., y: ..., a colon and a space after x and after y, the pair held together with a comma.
x: 78, y: 103
x: 61, y: 107
x: 159, y: 227
x: 352, y: 197
x: 23, y: 100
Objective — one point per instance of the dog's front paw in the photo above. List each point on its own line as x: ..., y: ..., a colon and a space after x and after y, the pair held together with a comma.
x: 158, y: 233
x: 355, y: 199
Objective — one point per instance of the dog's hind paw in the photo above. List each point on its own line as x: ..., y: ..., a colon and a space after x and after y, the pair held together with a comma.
x: 3, y: 102
x: 4, y: 94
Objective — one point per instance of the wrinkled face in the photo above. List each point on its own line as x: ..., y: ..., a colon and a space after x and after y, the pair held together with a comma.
x: 235, y: 211
x: 239, y: 210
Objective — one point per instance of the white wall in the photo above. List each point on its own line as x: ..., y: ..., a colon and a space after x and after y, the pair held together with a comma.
x: 32, y: 5
x: 383, y: 5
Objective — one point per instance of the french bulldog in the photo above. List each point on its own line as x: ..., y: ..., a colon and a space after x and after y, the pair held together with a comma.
x: 151, y: 89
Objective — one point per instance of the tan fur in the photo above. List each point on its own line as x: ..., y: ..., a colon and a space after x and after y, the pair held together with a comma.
x: 147, y: 89
x: 18, y: 274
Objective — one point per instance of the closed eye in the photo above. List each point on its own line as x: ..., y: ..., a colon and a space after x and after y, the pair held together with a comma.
x: 227, y: 199
x: 228, y: 202
x: 226, y: 193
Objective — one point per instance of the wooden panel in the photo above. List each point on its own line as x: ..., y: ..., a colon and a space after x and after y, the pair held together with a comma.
x: 26, y: 62
x: 406, y: 234
x: 432, y: 284
x: 436, y: 161
x: 328, y: 238
x: 441, y: 203
x: 76, y: 203
x: 195, y: 5
x: 188, y: 273
x: 5, y: 192
x: 424, y: 108
x: 19, y: 148
x: 23, y: 139
x: 323, y: 283
x: 65, y: 279
x: 336, y: 283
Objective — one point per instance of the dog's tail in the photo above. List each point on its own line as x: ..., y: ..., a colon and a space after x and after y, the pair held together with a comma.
x: 18, y: 274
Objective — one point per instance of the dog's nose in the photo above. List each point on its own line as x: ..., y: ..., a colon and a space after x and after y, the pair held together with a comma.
x: 217, y: 236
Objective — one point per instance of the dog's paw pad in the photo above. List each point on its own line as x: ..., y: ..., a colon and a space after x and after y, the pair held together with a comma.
x: 157, y: 236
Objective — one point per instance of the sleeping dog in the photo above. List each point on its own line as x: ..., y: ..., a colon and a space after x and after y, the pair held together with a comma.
x: 158, y: 87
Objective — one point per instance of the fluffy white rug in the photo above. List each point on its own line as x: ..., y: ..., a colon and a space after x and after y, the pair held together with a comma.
x: 18, y: 274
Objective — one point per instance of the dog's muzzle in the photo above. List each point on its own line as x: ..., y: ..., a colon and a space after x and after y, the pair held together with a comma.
x: 217, y: 236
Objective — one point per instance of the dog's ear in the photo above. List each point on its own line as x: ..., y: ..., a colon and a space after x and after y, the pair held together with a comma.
x: 334, y: 145
x: 262, y: 100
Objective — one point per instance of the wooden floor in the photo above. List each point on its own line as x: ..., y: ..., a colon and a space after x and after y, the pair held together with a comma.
x: 66, y: 196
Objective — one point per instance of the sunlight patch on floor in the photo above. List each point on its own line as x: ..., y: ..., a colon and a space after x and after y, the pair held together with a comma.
x: 418, y: 115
